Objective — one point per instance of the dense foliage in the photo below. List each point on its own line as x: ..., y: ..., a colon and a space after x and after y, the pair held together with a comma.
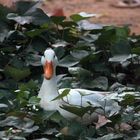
x: 91, y: 56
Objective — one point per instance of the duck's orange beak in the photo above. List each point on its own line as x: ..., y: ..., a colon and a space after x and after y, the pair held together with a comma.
x: 48, y: 70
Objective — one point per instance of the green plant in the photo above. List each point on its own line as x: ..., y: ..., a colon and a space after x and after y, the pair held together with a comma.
x: 91, y: 56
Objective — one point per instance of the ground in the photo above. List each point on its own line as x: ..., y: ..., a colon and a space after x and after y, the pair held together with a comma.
x: 110, y: 14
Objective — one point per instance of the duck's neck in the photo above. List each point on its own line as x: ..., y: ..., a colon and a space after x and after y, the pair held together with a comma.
x: 48, y: 89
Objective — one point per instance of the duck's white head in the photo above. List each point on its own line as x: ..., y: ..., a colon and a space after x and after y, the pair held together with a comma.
x: 49, y: 62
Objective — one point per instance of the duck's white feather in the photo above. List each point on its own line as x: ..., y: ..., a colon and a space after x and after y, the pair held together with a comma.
x: 78, y: 97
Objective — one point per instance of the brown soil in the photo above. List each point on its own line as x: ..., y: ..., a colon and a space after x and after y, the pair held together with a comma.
x: 110, y: 14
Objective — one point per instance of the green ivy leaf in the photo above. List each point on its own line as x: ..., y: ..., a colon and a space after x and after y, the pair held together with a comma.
x: 109, y: 137
x: 34, y: 32
x: 79, y: 72
x: 121, y: 58
x: 136, y: 50
x: 81, y: 16
x: 34, y: 100
x: 121, y: 47
x: 78, y: 110
x: 86, y: 25
x: 79, y: 54
x: 68, y: 61
x: 58, y: 19
x: 98, y: 83
x: 63, y: 94
x: 17, y: 74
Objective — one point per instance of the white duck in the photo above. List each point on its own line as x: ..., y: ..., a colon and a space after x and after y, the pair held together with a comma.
x: 49, y: 91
